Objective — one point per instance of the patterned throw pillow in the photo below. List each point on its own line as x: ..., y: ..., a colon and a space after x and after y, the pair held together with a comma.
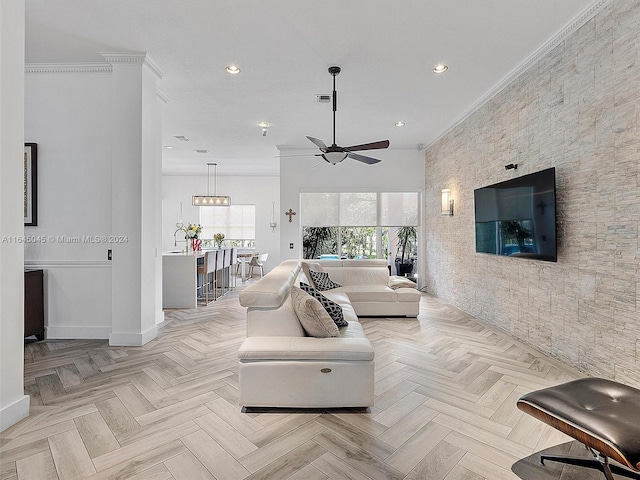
x: 322, y: 281
x: 333, y: 309
x: 312, y: 316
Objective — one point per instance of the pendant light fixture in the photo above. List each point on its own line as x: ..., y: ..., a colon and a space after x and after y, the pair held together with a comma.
x: 211, y: 200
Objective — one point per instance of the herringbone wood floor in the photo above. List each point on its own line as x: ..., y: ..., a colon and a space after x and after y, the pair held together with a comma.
x: 446, y: 388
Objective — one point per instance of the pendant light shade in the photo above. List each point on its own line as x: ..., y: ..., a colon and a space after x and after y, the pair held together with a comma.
x: 211, y: 200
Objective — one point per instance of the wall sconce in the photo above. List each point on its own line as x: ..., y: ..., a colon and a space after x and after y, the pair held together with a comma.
x: 447, y: 203
x: 273, y: 223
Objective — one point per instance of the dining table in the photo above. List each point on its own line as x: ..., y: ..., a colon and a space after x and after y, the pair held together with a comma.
x: 244, y: 258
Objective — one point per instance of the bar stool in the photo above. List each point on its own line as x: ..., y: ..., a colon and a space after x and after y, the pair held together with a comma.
x: 204, y: 281
x: 226, y: 269
x: 219, y: 272
x: 234, y: 261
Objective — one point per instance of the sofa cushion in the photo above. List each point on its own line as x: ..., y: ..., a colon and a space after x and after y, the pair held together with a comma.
x: 281, y: 321
x: 372, y: 275
x: 321, y: 281
x: 314, y: 318
x: 305, y: 348
x: 333, y: 309
x: 272, y: 289
x: 371, y: 293
x: 408, y: 295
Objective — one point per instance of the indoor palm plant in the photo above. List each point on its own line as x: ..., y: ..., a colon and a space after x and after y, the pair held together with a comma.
x: 407, y: 239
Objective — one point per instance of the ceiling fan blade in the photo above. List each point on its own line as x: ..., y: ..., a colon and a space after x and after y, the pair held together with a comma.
x: 367, y: 146
x: 318, y: 143
x: 298, y: 155
x: 363, y: 159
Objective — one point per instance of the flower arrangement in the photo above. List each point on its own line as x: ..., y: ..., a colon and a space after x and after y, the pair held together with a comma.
x: 218, y: 238
x: 192, y: 231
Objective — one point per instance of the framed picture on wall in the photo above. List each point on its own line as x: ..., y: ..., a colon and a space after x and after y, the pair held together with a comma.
x: 30, y: 184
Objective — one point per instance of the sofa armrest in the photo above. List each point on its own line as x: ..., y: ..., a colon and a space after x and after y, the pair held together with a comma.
x: 305, y: 348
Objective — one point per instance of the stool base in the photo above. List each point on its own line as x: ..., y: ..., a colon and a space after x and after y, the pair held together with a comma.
x: 599, y: 463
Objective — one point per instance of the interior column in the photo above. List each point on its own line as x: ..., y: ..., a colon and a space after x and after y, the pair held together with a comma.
x: 136, y: 198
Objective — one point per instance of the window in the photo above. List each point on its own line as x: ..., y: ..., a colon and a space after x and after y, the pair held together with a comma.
x: 355, y: 225
x: 237, y: 222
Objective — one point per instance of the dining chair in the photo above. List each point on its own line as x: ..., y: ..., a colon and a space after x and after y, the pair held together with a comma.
x: 258, y: 262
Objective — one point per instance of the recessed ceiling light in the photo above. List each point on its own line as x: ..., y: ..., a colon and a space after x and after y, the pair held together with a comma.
x: 440, y: 68
x: 232, y: 69
x: 399, y: 124
x: 263, y: 124
x: 169, y: 147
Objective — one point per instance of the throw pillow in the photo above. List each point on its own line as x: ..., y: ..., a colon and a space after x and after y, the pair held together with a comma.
x: 312, y: 316
x: 306, y: 266
x: 322, y: 281
x: 401, y: 282
x: 333, y: 309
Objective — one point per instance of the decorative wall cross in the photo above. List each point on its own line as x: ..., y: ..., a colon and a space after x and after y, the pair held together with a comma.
x: 291, y: 213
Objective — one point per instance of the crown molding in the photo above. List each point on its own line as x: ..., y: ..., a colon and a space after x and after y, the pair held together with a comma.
x: 133, y: 58
x: 572, y: 26
x: 67, y: 68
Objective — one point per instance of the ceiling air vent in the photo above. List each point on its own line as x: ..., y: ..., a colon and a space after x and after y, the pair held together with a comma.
x: 202, y: 151
x: 323, y: 97
x: 182, y: 138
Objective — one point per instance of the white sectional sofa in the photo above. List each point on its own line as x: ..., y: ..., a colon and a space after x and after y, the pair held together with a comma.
x: 366, y: 283
x: 280, y: 366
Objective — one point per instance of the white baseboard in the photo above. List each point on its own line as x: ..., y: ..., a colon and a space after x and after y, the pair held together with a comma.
x: 14, y: 412
x: 133, y: 339
x: 159, y: 318
x: 77, y: 332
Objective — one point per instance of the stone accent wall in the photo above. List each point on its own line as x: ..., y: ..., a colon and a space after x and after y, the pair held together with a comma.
x: 578, y: 110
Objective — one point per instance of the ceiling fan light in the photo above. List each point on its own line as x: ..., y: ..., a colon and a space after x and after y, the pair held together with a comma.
x: 334, y: 157
x: 440, y: 68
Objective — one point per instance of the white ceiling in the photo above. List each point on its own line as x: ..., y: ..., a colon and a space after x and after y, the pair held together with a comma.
x: 386, y: 49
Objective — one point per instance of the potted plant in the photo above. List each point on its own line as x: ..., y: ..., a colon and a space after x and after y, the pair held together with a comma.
x: 218, y: 238
x: 407, y: 238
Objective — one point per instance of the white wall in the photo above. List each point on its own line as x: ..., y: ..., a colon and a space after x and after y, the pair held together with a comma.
x: 14, y: 404
x: 97, y: 127
x: 401, y: 169
x: 261, y: 191
x: 68, y: 116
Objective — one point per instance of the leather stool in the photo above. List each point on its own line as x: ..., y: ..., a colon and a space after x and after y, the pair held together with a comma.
x: 602, y: 414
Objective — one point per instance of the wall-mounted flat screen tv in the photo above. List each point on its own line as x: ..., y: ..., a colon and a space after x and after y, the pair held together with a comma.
x: 517, y: 218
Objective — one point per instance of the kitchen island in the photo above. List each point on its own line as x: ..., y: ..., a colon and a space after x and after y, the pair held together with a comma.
x: 180, y: 279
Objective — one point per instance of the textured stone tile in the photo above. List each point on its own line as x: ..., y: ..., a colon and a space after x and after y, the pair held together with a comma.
x: 578, y: 110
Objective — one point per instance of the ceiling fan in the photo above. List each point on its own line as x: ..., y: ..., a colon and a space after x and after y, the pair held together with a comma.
x: 333, y: 153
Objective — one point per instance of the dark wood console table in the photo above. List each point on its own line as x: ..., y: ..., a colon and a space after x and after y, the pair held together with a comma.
x: 34, y: 303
